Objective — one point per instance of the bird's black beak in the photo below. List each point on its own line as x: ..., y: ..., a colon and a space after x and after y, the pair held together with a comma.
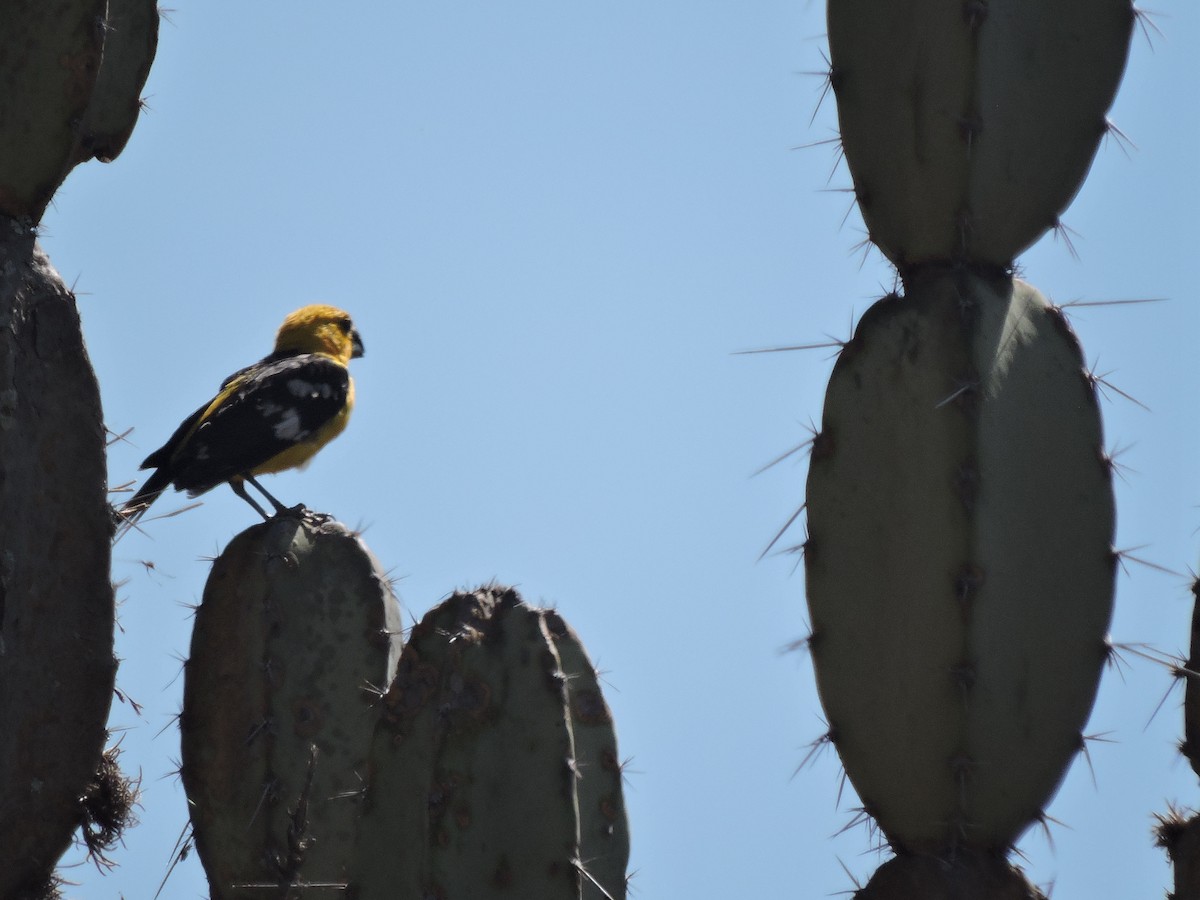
x: 356, y: 345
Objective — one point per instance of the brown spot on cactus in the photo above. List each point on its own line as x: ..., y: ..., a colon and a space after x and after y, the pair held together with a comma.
x: 502, y: 876
x: 306, y: 717
x: 589, y: 708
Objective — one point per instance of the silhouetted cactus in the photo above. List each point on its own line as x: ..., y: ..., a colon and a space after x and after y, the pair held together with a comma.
x: 1178, y: 831
x: 70, y: 93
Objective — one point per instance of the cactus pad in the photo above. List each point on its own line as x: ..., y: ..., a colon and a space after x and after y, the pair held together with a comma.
x: 959, y: 566
x: 293, y: 646
x: 968, y: 127
x: 477, y: 777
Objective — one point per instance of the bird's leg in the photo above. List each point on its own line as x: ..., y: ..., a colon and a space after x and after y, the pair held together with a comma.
x: 280, y: 509
x: 239, y: 488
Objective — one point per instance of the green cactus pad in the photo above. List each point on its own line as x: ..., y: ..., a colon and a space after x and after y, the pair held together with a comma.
x: 296, y: 640
x: 968, y: 127
x: 603, y: 823
x: 56, y: 601
x: 50, y: 52
x: 475, y: 773
x: 959, y: 566
x: 72, y: 72
x: 130, y: 42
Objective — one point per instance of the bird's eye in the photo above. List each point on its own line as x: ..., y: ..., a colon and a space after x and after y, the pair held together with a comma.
x: 345, y: 324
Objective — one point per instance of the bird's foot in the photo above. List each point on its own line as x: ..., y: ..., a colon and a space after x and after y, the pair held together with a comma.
x: 299, y: 511
x: 302, y: 512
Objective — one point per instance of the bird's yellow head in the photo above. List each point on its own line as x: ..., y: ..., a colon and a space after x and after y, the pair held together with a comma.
x: 319, y: 329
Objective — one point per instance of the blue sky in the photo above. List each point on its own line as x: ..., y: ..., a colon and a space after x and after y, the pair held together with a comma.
x: 554, y: 224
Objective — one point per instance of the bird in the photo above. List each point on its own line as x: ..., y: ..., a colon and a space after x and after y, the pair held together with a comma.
x: 270, y: 416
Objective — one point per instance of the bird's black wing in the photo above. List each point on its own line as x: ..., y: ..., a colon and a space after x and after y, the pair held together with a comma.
x: 261, y: 412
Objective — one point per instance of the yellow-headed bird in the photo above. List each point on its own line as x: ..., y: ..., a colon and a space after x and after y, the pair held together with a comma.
x: 270, y: 416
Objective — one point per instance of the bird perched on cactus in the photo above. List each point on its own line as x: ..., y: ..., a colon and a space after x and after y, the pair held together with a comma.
x: 268, y: 417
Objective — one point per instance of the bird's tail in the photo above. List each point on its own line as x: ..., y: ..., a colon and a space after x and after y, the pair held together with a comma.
x: 135, y: 507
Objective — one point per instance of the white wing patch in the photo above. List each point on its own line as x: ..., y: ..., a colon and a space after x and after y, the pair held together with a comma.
x: 306, y: 389
x: 288, y: 427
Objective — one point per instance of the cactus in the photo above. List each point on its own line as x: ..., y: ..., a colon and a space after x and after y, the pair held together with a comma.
x: 959, y: 565
x: 489, y: 766
x: 968, y: 127
x: 966, y: 874
x: 296, y: 638
x: 603, y: 826
x: 961, y: 521
x: 59, y: 67
x: 78, y: 67
x: 1177, y: 832
x: 494, y: 768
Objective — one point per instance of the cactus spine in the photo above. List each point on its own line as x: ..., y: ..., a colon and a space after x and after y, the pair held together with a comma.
x: 959, y: 566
